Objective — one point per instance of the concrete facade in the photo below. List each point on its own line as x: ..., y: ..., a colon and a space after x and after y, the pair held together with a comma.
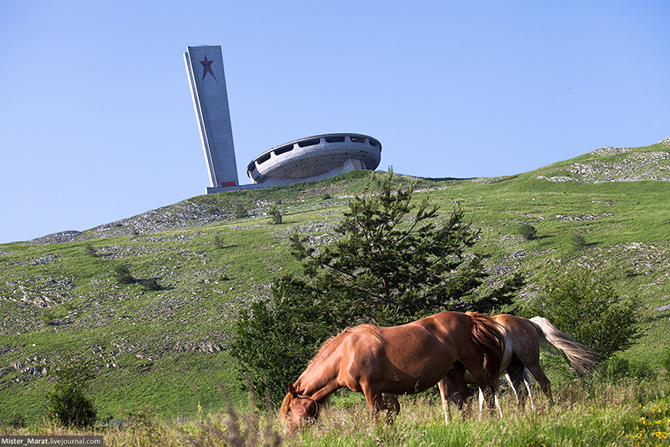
x: 204, y: 65
x: 315, y: 158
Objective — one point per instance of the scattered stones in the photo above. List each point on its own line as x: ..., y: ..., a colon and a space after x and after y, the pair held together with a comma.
x: 590, y: 216
x: 59, y: 238
x: 615, y: 165
x: 43, y: 260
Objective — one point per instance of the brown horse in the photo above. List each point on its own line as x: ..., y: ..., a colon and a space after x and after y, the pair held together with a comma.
x: 402, y: 359
x: 523, y: 338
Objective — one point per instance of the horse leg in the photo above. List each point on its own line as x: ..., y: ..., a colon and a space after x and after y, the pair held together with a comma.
x: 374, y: 399
x: 511, y: 383
x: 481, y: 403
x: 527, y: 350
x: 545, y: 385
x: 487, y: 389
x: 526, y: 381
x: 515, y: 374
x: 456, y: 379
x: 391, y: 406
x: 443, y: 385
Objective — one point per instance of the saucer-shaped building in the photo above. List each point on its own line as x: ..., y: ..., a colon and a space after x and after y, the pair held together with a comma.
x: 315, y: 158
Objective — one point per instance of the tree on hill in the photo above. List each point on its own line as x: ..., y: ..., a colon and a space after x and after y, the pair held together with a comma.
x: 393, y: 262
x: 582, y: 304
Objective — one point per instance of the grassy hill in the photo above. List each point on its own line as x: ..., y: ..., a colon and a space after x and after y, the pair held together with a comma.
x: 59, y: 296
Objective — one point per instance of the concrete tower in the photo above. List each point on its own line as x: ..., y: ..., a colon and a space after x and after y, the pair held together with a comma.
x: 204, y: 66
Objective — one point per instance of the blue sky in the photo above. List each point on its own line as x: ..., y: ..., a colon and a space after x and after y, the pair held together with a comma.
x: 97, y: 122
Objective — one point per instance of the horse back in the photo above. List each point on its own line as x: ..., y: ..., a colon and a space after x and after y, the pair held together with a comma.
x: 521, y: 336
x: 401, y: 359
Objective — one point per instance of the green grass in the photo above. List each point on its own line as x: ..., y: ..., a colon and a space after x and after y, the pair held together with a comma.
x: 628, y: 414
x: 625, y: 226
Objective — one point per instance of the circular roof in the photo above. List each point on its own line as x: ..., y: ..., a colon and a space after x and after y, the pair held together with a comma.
x: 314, y: 156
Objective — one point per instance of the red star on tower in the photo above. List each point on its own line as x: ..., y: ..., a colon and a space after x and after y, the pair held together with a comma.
x: 207, y: 68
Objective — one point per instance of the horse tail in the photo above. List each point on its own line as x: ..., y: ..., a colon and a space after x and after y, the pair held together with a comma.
x: 579, y: 355
x: 487, y: 336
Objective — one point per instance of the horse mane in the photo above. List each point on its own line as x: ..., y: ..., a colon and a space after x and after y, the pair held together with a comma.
x: 487, y: 336
x: 366, y: 329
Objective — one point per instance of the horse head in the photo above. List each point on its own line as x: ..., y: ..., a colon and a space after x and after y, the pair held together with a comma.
x: 297, y: 408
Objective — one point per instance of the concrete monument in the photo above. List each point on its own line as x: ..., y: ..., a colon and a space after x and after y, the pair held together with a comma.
x: 204, y: 66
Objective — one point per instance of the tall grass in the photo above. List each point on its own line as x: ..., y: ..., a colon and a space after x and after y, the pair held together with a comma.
x: 627, y: 414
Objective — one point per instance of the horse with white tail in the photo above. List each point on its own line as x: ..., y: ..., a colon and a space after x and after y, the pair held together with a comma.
x: 523, y: 338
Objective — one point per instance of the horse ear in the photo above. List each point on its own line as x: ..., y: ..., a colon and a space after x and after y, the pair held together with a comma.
x: 292, y: 391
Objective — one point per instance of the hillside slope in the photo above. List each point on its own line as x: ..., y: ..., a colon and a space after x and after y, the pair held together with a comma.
x: 59, y: 297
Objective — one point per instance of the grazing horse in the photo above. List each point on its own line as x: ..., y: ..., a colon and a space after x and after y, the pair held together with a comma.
x: 402, y: 359
x: 523, y: 338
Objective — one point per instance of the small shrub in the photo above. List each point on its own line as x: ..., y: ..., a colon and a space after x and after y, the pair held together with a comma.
x: 240, y: 211
x: 15, y: 420
x: 67, y: 405
x: 151, y: 284
x: 276, y: 215
x: 325, y: 196
x: 122, y: 273
x: 616, y: 369
x: 527, y: 232
x: 90, y: 251
x: 577, y: 239
x: 49, y: 317
x: 219, y: 242
x: 582, y: 303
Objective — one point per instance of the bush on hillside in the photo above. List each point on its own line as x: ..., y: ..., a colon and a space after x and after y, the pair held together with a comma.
x: 91, y: 251
x: 275, y: 338
x: 122, y: 274
x: 219, y: 241
x: 527, y: 232
x: 151, y: 285
x: 67, y: 404
x: 615, y: 369
x: 577, y: 239
x: 276, y: 215
x: 582, y: 304
x: 241, y: 211
x: 14, y: 420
